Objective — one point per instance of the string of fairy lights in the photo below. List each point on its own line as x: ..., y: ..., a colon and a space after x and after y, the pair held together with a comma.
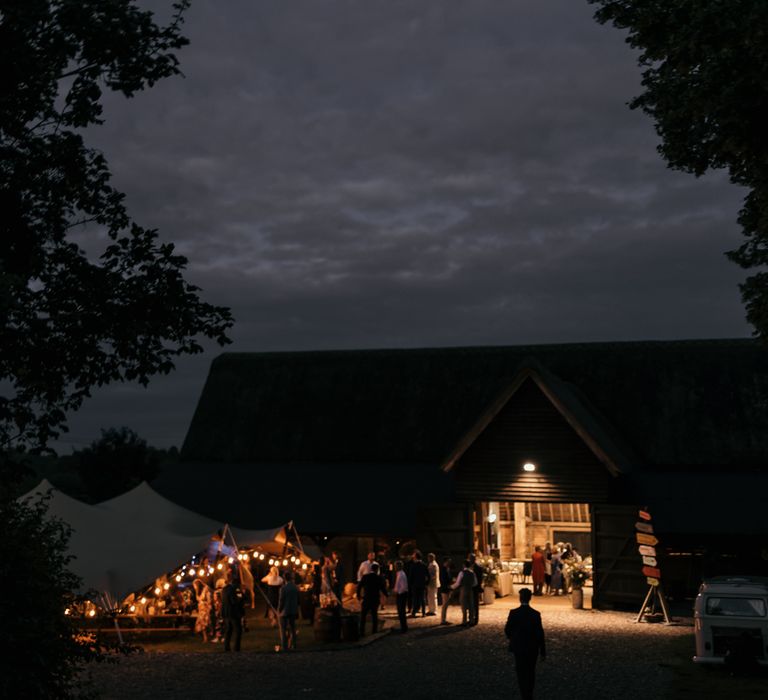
x: 150, y: 600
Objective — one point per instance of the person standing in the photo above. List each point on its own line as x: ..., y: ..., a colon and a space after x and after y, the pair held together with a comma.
x: 204, y: 595
x: 339, y: 578
x: 526, y: 641
x: 232, y: 611
x: 370, y: 588
x: 446, y: 579
x: 287, y: 611
x: 556, y: 580
x: 417, y: 581
x: 538, y: 570
x: 433, y: 569
x: 365, y: 566
x: 566, y: 559
x: 465, y: 583
x: 478, y: 590
x: 401, y: 593
x: 274, y: 583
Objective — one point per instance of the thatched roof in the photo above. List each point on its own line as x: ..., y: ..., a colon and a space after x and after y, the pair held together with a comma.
x: 698, y: 403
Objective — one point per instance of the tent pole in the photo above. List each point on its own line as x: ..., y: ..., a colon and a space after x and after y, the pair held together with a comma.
x: 298, y: 537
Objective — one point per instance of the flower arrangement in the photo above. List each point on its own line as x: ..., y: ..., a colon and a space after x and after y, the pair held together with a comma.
x: 491, y: 570
x: 578, y: 572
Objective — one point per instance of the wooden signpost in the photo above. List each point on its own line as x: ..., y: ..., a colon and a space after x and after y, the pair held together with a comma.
x: 650, y: 540
x: 647, y: 542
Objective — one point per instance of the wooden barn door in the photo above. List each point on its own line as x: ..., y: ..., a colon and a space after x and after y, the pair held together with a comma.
x: 445, y: 530
x: 617, y: 577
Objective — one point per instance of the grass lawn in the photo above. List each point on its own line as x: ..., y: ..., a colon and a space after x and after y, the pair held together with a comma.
x: 692, y: 680
x: 260, y: 636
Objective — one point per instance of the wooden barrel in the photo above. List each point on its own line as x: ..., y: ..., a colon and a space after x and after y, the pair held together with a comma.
x: 350, y: 628
x: 327, y: 627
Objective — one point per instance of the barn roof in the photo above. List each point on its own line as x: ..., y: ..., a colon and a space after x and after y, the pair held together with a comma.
x: 660, y: 403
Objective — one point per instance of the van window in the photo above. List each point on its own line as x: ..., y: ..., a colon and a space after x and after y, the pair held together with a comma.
x: 738, y: 607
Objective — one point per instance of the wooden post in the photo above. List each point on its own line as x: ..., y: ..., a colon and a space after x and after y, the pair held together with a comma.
x: 521, y: 537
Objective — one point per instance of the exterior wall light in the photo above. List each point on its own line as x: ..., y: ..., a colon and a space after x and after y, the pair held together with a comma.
x: 529, y: 467
x: 491, y: 517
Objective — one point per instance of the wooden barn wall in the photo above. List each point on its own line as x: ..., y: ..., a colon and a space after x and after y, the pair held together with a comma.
x: 530, y: 428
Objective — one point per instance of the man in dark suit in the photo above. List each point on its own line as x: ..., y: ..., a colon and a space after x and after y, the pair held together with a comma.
x: 370, y: 588
x: 526, y: 642
x: 479, y: 572
x: 287, y: 611
x: 418, y: 578
x: 232, y: 610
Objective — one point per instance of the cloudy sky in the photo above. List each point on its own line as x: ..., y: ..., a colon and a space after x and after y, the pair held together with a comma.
x: 409, y: 173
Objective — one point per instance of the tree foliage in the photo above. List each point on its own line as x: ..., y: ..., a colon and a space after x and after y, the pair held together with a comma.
x: 116, y: 463
x: 705, y: 82
x: 70, y: 321
x: 42, y: 655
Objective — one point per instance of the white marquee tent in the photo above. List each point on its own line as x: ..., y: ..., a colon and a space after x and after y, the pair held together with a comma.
x: 125, y: 543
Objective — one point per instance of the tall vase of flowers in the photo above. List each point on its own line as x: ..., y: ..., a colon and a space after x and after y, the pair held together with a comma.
x: 490, y: 579
x: 579, y: 575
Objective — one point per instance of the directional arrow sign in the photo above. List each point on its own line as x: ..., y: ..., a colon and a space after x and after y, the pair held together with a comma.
x: 652, y: 571
x: 644, y: 527
x: 647, y: 551
x: 646, y: 539
x: 652, y: 581
x: 644, y: 515
x: 649, y: 561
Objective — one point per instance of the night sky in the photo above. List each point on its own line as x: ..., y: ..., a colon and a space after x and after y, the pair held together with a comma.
x: 391, y: 173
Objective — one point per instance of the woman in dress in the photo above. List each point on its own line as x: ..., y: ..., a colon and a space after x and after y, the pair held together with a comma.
x: 557, y: 573
x: 204, y: 608
x: 274, y: 583
x: 538, y: 570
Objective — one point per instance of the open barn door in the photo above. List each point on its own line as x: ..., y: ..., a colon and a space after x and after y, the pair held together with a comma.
x: 446, y: 530
x: 617, y: 575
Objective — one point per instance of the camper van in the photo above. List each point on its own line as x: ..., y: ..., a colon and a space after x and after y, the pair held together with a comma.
x: 731, y: 620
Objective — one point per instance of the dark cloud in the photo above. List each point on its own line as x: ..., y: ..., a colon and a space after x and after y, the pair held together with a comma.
x: 390, y: 173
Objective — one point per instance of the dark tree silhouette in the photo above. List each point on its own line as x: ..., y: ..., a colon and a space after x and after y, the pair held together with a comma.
x: 70, y: 321
x: 42, y: 655
x: 115, y: 463
x: 705, y: 82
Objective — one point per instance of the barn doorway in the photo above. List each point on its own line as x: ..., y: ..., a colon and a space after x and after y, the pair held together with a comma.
x: 509, y: 531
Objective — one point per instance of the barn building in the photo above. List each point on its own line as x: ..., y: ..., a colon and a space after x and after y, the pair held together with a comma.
x: 498, y: 449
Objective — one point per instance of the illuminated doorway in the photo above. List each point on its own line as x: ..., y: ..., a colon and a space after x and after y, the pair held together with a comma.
x: 509, y: 530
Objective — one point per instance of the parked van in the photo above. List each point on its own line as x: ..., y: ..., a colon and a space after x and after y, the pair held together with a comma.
x: 731, y: 620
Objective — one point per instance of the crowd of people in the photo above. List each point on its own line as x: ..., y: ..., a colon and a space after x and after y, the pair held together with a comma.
x: 550, y: 568
x: 417, y: 586
x: 420, y: 588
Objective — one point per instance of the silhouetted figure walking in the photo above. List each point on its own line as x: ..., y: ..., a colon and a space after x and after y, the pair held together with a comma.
x: 526, y: 642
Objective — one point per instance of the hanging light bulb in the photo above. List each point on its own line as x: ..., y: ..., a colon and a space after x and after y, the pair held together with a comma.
x: 132, y: 608
x: 191, y: 572
x: 91, y: 612
x: 143, y: 600
x: 157, y: 591
x: 219, y: 566
x: 166, y: 585
x: 271, y: 561
x: 245, y: 556
x: 261, y: 556
x: 231, y: 560
x: 304, y: 566
x: 178, y: 578
x: 285, y: 562
x: 67, y: 611
x: 201, y: 572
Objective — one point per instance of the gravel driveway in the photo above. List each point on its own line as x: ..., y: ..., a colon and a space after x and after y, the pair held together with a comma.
x: 590, y: 654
